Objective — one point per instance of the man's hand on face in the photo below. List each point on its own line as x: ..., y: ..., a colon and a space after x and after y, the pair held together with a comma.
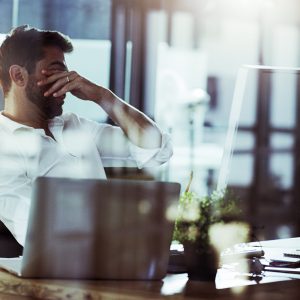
x: 61, y: 82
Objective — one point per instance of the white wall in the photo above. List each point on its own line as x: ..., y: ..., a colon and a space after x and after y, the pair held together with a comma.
x: 91, y: 59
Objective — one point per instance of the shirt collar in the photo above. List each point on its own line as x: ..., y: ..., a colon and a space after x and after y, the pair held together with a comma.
x: 12, y: 126
x: 56, y: 121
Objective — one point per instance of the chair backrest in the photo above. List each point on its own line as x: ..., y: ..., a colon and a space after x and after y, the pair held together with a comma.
x: 9, y: 247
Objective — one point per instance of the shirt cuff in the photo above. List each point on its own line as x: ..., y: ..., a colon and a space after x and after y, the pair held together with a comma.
x: 152, y: 157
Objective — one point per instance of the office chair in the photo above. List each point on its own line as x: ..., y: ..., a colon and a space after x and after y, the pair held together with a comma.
x: 9, y: 247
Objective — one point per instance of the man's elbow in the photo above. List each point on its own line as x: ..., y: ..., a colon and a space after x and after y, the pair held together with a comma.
x: 150, y: 138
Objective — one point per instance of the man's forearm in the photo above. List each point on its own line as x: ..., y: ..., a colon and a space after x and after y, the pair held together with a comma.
x: 140, y: 129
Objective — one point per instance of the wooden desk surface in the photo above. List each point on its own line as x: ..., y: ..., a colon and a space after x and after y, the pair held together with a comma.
x: 172, y: 287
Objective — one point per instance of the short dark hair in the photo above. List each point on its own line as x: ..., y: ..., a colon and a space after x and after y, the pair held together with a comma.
x: 24, y: 46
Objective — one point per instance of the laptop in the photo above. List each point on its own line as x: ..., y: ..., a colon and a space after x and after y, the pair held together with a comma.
x: 98, y: 229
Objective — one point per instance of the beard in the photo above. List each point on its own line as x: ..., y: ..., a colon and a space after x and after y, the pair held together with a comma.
x: 50, y: 106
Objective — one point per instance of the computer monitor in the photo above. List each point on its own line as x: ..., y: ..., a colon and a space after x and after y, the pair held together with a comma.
x: 2, y: 37
x: 261, y: 162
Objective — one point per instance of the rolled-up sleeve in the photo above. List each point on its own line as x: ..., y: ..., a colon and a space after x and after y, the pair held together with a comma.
x: 152, y: 157
x: 115, y: 149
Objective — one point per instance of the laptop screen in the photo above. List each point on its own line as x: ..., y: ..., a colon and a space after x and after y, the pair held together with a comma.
x: 261, y: 162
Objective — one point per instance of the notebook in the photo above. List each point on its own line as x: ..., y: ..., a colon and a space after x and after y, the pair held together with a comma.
x: 98, y: 229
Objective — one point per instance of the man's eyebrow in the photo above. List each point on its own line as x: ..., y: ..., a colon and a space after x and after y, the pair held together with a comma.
x: 58, y: 63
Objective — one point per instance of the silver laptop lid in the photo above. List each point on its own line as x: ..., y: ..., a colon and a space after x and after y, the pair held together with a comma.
x: 99, y: 229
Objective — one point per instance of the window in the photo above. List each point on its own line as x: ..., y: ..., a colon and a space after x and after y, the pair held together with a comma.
x: 88, y: 25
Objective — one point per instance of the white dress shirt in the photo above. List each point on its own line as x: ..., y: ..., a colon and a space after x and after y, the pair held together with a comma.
x: 82, y: 148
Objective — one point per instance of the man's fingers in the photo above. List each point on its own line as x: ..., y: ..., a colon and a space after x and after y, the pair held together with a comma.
x: 66, y: 88
x: 51, y: 72
x: 52, y: 76
x: 58, y: 81
x: 56, y: 86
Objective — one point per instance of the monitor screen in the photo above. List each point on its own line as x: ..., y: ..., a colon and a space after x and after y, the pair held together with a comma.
x: 261, y: 162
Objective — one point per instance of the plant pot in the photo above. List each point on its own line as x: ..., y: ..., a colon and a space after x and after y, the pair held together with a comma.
x: 201, y: 264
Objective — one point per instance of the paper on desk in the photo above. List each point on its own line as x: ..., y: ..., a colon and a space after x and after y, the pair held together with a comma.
x: 12, y: 265
x: 287, y: 243
x: 229, y: 277
x: 278, y: 254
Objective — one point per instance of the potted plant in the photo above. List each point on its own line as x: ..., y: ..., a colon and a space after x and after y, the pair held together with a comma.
x: 194, y: 225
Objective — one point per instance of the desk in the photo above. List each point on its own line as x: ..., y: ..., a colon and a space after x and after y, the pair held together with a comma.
x: 172, y: 287
x: 12, y: 288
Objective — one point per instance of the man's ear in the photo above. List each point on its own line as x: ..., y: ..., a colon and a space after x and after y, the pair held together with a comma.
x: 18, y: 75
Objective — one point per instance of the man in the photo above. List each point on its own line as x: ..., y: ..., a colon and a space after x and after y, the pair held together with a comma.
x: 37, y: 139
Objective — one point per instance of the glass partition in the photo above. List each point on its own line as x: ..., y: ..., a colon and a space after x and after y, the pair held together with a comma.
x: 261, y: 162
